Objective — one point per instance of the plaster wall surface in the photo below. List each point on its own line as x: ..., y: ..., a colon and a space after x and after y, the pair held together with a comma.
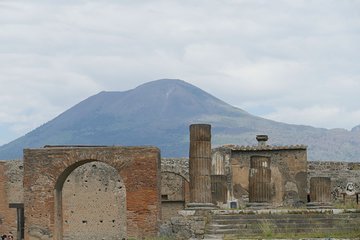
x: 94, y: 203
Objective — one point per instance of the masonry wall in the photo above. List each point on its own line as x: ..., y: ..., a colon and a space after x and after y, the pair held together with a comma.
x: 340, y: 173
x: 11, y: 191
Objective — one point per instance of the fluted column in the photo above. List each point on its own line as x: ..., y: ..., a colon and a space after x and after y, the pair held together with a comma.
x: 320, y: 190
x: 200, y: 163
x: 259, y: 180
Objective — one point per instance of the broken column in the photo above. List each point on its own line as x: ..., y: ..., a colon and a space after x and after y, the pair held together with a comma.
x: 219, y: 180
x: 259, y: 180
x: 200, y: 166
x: 320, y: 190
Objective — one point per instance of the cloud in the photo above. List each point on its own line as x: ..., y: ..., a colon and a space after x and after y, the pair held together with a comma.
x: 289, y: 60
x: 318, y: 116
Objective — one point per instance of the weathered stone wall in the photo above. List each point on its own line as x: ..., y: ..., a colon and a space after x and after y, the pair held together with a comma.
x: 179, y: 166
x: 187, y: 224
x: 341, y: 173
x: 172, y: 187
x: 288, y: 173
x: 11, y: 191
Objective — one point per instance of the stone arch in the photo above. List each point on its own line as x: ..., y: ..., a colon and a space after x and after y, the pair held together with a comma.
x: 186, y: 178
x: 179, y: 166
x: 175, y: 193
x: 46, y: 169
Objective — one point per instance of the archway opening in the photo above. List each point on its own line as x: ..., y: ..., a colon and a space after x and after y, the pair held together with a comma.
x: 91, y: 203
x: 175, y: 194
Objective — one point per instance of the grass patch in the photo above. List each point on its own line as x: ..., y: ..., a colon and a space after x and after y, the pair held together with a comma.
x: 348, y: 205
x: 266, y: 229
x: 153, y: 238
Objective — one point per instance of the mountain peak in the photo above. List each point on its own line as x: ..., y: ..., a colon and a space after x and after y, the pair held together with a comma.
x: 168, y: 86
x: 165, y: 83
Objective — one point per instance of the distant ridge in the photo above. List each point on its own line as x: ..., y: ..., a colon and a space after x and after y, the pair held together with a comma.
x: 159, y: 113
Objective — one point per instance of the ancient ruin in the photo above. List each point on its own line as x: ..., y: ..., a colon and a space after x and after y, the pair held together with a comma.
x: 98, y: 192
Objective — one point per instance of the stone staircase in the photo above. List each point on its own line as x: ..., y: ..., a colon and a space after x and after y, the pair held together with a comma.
x: 247, y: 224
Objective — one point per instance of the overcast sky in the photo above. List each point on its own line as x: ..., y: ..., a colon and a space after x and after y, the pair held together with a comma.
x: 292, y: 61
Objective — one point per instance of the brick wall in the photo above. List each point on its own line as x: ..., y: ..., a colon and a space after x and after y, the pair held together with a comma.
x: 11, y: 191
x: 47, y: 169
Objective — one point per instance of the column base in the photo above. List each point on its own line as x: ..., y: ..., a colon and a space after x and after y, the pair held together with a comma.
x: 257, y: 206
x: 319, y: 205
x: 201, y: 206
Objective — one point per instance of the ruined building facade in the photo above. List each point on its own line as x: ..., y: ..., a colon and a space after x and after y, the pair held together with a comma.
x: 287, y: 170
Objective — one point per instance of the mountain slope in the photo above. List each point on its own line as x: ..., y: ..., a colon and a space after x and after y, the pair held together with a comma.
x: 159, y: 113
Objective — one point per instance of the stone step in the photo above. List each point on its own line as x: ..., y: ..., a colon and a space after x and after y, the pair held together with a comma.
x: 257, y: 232
x: 293, y: 227
x: 285, y: 218
x: 292, y: 216
x: 287, y: 222
x: 289, y: 226
x: 256, y: 225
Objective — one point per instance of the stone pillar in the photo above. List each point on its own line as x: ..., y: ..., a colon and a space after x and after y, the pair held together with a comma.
x: 200, y: 165
x: 320, y: 190
x: 259, y: 180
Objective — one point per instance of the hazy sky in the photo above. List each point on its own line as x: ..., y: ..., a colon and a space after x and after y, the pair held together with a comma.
x: 292, y: 61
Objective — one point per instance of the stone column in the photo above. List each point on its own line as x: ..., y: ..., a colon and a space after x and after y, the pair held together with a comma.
x: 259, y: 180
x: 200, y: 166
x: 320, y: 190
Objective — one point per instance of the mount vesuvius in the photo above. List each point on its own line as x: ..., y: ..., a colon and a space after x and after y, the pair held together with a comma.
x: 159, y: 113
